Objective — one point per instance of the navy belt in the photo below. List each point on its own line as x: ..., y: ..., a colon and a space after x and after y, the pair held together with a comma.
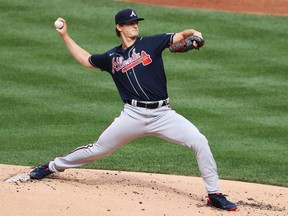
x: 148, y: 105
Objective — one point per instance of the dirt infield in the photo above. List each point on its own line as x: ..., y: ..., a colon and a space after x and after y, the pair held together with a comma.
x: 113, y: 193
x: 105, y: 193
x: 275, y: 7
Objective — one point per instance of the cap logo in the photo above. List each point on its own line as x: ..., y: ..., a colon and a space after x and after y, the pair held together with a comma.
x: 133, y: 14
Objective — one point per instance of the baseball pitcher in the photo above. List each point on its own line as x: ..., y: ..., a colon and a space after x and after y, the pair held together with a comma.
x: 136, y: 66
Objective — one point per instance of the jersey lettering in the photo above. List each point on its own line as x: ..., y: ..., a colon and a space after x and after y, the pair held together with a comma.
x: 119, y: 63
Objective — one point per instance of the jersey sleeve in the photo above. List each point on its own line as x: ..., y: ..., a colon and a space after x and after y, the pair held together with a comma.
x: 162, y: 41
x: 99, y: 61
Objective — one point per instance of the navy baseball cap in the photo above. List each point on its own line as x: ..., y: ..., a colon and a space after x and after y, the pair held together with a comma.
x: 126, y: 16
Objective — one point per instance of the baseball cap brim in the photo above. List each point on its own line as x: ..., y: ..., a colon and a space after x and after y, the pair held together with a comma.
x: 132, y: 20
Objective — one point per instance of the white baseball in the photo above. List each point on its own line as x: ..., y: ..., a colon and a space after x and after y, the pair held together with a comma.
x: 58, y: 24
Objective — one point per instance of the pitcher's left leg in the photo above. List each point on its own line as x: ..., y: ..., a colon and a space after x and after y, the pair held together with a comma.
x: 175, y: 128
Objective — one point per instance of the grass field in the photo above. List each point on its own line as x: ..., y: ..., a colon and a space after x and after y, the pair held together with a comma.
x: 234, y: 90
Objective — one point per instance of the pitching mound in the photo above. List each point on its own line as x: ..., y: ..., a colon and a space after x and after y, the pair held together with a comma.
x: 98, y: 192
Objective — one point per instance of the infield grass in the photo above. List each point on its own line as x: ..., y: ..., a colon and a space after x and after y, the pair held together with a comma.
x: 234, y: 90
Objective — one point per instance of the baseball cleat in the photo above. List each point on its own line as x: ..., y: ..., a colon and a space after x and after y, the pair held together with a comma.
x: 218, y: 200
x: 40, y: 172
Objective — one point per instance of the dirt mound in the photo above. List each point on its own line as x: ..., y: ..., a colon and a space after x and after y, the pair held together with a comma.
x: 98, y: 192
x: 275, y: 7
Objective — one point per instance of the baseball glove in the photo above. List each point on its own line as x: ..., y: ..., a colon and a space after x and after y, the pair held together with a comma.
x: 187, y: 44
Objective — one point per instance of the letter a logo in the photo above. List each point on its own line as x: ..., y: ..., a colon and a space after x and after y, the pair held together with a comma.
x: 133, y: 14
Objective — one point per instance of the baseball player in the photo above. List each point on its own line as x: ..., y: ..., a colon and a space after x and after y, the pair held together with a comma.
x: 136, y: 67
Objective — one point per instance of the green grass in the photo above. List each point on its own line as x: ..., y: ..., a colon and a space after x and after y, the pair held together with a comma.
x: 234, y: 90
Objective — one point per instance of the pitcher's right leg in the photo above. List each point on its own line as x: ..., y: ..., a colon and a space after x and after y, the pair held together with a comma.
x: 123, y: 130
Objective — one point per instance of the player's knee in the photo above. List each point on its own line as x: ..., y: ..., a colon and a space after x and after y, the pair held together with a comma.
x: 202, y: 140
x: 197, y: 142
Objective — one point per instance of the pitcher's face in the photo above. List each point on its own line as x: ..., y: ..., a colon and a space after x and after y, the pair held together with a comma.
x: 130, y: 30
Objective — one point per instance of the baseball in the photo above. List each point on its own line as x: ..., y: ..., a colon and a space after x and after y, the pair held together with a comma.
x: 58, y: 24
